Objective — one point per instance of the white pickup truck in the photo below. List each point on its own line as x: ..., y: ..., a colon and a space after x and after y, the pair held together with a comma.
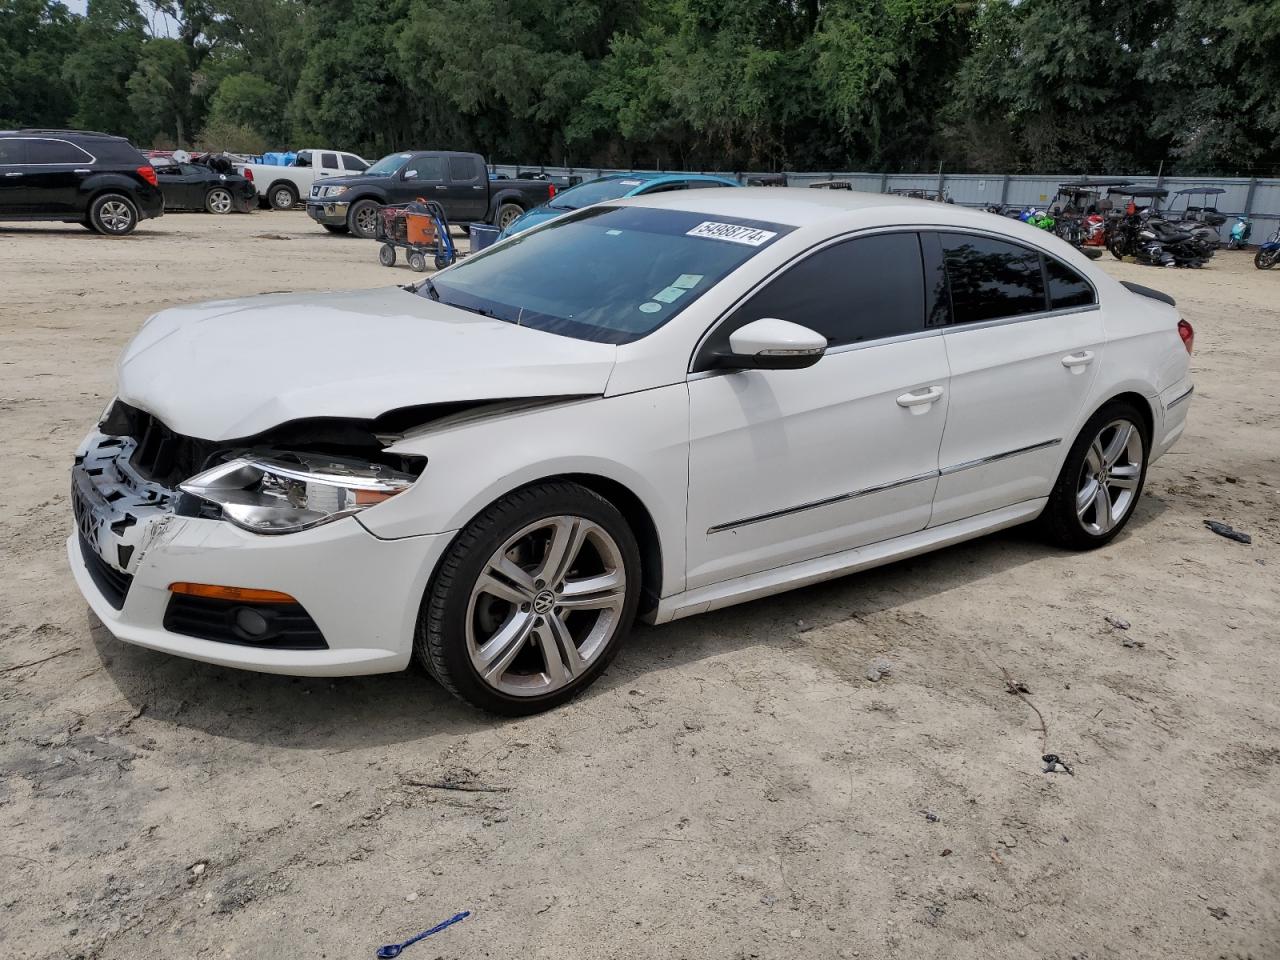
x: 282, y: 187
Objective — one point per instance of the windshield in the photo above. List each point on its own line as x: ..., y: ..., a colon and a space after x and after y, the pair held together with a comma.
x: 597, y: 191
x: 388, y: 165
x: 608, y: 274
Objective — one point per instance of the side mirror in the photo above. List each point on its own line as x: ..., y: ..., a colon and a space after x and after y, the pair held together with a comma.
x: 408, y: 174
x: 773, y: 344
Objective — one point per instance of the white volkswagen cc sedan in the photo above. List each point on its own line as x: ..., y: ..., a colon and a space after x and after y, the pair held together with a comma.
x: 655, y: 407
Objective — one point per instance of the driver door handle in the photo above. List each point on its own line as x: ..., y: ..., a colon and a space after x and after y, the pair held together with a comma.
x: 919, y: 402
x: 1081, y: 359
x: 13, y: 174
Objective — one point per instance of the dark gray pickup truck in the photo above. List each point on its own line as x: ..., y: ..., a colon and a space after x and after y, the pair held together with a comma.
x: 459, y: 181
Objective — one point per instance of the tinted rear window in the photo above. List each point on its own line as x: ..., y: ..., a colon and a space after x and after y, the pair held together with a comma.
x: 1066, y: 287
x: 462, y: 168
x: 55, y: 151
x: 13, y: 151
x: 991, y: 279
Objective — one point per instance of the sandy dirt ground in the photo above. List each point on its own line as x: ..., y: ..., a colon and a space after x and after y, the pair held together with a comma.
x: 734, y: 787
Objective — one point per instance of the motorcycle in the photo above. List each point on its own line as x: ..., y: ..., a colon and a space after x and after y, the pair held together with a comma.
x: 1268, y: 254
x: 1140, y: 232
x: 1241, y: 230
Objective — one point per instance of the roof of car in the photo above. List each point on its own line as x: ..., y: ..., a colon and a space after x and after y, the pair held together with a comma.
x: 802, y: 207
x: 58, y: 132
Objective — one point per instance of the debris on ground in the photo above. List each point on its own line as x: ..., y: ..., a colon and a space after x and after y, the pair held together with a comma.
x: 879, y: 669
x: 394, y: 949
x: 1218, y: 913
x: 1118, y: 622
x: 1228, y: 531
x: 931, y: 816
x: 1054, y: 764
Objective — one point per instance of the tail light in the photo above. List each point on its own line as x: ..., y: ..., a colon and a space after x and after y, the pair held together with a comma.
x: 552, y: 194
x: 1187, y: 334
x: 148, y: 173
x: 247, y: 173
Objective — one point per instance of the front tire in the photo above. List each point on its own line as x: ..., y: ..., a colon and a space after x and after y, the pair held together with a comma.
x: 219, y: 201
x: 532, y: 600
x: 362, y: 218
x: 113, y: 215
x: 387, y: 255
x: 1101, y: 480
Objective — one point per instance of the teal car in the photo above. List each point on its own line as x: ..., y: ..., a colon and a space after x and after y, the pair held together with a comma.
x: 615, y: 186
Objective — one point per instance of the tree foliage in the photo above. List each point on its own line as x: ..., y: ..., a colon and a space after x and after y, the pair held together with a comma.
x: 1048, y: 85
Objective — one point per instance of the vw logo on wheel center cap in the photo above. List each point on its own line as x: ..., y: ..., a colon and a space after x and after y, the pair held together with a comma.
x: 544, y: 601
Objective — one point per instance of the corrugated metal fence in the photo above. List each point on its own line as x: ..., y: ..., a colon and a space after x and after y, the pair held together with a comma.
x: 1256, y: 198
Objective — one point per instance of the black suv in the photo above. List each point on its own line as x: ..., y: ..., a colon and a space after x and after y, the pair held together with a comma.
x: 76, y: 176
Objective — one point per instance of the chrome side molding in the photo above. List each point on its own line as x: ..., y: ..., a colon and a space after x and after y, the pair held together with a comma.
x: 981, y: 461
x: 1178, y: 399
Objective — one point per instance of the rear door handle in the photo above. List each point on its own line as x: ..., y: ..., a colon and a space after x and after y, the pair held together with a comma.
x: 13, y: 174
x: 1078, y: 361
x: 84, y: 170
x: 920, y: 402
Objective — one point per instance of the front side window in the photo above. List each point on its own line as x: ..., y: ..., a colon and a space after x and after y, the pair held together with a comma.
x: 12, y: 152
x: 991, y: 279
x: 55, y: 151
x: 857, y: 290
x: 425, y: 168
x: 608, y: 274
x: 1066, y: 287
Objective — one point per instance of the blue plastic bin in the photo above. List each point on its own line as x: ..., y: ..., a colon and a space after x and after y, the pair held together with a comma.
x: 482, y: 235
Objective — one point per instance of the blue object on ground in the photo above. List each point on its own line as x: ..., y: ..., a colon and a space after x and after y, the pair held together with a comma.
x: 482, y: 235
x: 393, y: 949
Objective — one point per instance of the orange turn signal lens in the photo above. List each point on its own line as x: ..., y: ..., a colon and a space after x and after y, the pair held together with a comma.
x: 240, y: 594
x: 367, y: 498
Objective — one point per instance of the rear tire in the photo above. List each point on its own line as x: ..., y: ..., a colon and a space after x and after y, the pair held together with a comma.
x: 1101, y: 479
x: 506, y: 215
x: 1266, y: 259
x: 550, y: 652
x: 282, y: 196
x: 417, y: 262
x: 219, y: 201
x: 387, y: 255
x: 113, y: 215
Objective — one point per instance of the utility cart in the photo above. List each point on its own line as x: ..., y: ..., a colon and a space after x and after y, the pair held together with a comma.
x: 421, y: 228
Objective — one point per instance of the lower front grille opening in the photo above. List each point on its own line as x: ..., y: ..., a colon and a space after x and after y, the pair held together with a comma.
x: 111, y: 583
x: 274, y: 626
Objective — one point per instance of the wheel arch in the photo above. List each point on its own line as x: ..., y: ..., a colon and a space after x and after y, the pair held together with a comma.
x: 283, y: 182
x: 1144, y: 404
x: 633, y: 509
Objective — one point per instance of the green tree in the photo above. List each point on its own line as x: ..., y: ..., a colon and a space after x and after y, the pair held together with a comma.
x: 247, y: 100
x: 160, y: 89
x: 36, y: 36
x: 109, y: 40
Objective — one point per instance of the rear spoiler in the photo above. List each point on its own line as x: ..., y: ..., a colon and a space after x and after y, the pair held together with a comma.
x: 1142, y: 291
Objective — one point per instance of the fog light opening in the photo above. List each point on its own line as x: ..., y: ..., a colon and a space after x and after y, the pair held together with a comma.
x: 251, y: 623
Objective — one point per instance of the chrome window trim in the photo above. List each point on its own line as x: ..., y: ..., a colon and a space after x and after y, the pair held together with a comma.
x: 60, y: 163
x: 825, y: 502
x: 1017, y: 318
x: 982, y: 461
x: 1178, y: 399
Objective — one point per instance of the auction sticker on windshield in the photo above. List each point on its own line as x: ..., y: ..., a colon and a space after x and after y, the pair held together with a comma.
x: 750, y: 236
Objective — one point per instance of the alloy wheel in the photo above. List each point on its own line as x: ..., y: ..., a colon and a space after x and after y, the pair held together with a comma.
x: 1109, y: 477
x: 367, y: 220
x: 546, y: 606
x: 219, y: 201
x: 115, y: 215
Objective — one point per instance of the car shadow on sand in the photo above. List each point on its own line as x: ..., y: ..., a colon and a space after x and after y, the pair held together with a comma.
x: 349, y: 713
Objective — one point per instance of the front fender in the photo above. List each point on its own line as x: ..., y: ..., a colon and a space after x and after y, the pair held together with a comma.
x: 638, y: 440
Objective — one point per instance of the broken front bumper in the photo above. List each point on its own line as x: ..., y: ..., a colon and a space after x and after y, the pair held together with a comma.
x: 362, y: 593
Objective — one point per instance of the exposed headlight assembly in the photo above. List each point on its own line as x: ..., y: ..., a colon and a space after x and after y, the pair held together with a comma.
x: 334, y: 191
x: 268, y: 495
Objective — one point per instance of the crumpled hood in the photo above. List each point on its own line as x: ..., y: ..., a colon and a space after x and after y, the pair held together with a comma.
x: 233, y: 368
